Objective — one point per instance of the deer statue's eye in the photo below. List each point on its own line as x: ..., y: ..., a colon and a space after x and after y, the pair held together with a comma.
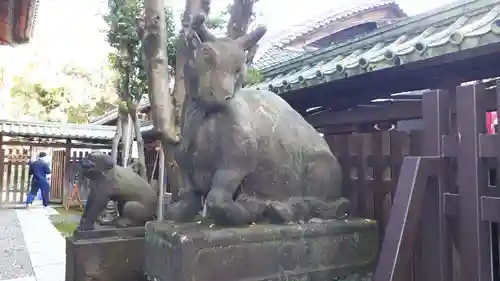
x: 208, y: 58
x: 237, y: 70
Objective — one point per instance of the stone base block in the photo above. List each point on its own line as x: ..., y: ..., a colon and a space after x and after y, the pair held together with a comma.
x: 108, y: 254
x: 330, y: 250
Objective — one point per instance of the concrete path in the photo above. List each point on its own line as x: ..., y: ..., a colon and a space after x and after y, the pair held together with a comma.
x: 45, y: 245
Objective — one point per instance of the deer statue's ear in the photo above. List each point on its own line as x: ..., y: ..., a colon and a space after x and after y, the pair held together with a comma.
x: 210, y: 54
x: 202, y: 30
x: 205, y: 34
x: 249, y: 40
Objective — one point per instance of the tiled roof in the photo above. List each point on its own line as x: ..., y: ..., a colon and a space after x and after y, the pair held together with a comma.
x: 335, y: 15
x: 57, y: 130
x: 17, y: 37
x: 457, y: 27
x: 33, y: 13
x: 276, y: 53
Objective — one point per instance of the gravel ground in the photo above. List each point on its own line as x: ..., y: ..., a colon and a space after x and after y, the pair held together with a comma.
x: 14, y: 261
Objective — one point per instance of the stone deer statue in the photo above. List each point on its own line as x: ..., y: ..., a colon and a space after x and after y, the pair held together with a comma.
x: 248, y: 152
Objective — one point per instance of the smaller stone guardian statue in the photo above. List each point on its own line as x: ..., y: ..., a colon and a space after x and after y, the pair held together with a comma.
x: 135, y: 198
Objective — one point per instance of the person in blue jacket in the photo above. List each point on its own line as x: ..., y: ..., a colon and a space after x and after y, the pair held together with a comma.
x: 37, y: 176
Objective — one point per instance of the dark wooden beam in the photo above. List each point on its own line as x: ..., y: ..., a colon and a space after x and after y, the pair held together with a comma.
x: 396, y: 111
x: 405, y: 110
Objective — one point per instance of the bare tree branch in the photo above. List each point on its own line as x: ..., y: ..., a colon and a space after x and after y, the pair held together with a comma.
x: 116, y: 139
x: 241, y: 18
x: 136, y: 123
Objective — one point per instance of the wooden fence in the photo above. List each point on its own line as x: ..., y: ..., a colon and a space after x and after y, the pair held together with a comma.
x: 74, y: 177
x: 57, y: 192
x: 14, y: 178
x: 57, y: 176
x: 370, y: 164
x: 443, y: 224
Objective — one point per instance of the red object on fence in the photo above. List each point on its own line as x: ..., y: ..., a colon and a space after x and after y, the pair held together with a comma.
x: 491, y: 121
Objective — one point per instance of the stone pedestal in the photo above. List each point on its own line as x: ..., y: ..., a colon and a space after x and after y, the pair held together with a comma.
x: 106, y: 254
x: 314, y: 251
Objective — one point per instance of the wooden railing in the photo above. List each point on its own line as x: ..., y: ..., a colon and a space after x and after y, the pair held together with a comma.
x: 445, y: 211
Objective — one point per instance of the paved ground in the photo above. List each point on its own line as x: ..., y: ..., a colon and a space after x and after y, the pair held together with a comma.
x: 33, y: 249
x: 14, y: 259
x: 46, y: 246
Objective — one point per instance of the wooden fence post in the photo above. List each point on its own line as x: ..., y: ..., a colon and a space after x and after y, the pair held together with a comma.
x: 474, y: 232
x: 2, y: 170
x: 435, y: 258
x: 66, y: 173
x: 161, y: 184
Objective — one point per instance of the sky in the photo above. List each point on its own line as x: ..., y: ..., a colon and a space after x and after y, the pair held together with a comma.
x: 71, y: 31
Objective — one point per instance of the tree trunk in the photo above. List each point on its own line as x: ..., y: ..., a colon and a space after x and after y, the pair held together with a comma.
x: 136, y: 122
x: 116, y: 139
x: 110, y: 213
x: 240, y: 19
x: 166, y: 106
x: 193, y: 8
x: 179, y: 92
x: 155, y: 50
x: 126, y: 139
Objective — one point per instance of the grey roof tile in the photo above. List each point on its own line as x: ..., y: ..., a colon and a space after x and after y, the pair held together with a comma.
x: 278, y: 52
x: 337, y: 14
x: 276, y: 55
x: 57, y: 130
x: 479, y: 27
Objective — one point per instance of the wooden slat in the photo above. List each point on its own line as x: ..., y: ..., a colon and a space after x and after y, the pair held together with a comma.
x: 358, y: 177
x: 435, y: 255
x: 8, y: 184
x: 56, y: 193
x: 370, y: 166
x: 367, y: 162
x: 16, y: 181
x: 2, y: 169
x: 397, y: 246
x: 474, y: 233
x: 24, y: 182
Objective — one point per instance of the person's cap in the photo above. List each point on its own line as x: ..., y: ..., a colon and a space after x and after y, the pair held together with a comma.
x: 42, y: 154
